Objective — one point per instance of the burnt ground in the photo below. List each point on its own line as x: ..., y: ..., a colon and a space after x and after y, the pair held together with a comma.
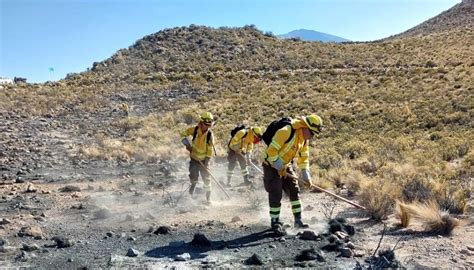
x: 61, y: 212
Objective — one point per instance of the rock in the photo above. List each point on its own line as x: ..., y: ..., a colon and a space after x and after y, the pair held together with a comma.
x: 70, y: 188
x: 350, y: 245
x: 109, y: 234
x: 177, y: 243
x: 19, y: 180
x: 3, y: 242
x: 341, y: 235
x: 25, y: 256
x: 310, y: 255
x: 308, y: 208
x: 102, y: 214
x: 33, y: 231
x: 346, y: 253
x: 132, y: 252
x: 471, y: 248
x: 163, y: 230
x: 272, y: 246
x: 201, y: 240
x: 5, y: 221
x: 31, y: 188
x: 62, y: 242
x: 236, y: 219
x: 183, y: 257
x: 131, y: 238
x: 308, y: 235
x: 28, y: 247
x: 466, y: 252
x: 255, y: 259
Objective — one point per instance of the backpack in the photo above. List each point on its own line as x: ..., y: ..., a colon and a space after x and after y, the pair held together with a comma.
x: 235, y: 130
x: 209, y: 134
x: 274, y: 127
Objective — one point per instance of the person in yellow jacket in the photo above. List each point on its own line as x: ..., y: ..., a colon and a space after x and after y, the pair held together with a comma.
x: 288, y: 143
x: 240, y: 148
x: 200, y: 149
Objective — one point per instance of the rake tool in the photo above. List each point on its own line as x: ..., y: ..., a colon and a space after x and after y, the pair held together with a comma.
x: 313, y: 186
x: 213, y: 178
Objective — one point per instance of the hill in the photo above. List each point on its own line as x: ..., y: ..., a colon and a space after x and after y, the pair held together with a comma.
x: 458, y: 17
x: 311, y: 35
x: 398, y: 114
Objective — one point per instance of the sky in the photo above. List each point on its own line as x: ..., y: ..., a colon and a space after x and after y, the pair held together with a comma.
x: 44, y: 40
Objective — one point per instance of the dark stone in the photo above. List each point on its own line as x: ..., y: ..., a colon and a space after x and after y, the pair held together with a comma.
x: 70, y: 188
x: 308, y: 235
x: 201, y: 240
x: 350, y: 230
x: 62, y: 242
x: 132, y: 252
x: 255, y: 259
x: 163, y: 230
x: 310, y: 255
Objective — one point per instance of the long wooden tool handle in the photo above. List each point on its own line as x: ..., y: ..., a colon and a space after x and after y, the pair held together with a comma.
x: 213, y: 178
x: 338, y: 197
x: 257, y: 168
x: 332, y: 194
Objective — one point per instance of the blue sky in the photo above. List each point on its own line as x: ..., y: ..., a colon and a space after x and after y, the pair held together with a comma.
x: 69, y: 35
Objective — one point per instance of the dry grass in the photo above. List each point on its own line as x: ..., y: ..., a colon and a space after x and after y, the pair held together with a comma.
x: 398, y: 113
x: 429, y: 215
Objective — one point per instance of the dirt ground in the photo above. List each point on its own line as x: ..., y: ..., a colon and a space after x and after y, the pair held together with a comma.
x: 58, y: 212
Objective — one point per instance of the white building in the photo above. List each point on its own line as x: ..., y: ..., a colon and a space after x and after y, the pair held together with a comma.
x: 4, y: 80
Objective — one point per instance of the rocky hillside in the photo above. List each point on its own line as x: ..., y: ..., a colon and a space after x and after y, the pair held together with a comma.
x: 461, y: 16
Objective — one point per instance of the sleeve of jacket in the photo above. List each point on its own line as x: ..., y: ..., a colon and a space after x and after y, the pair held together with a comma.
x: 249, y: 146
x: 210, y: 146
x: 303, y: 157
x: 187, y: 132
x: 235, y: 142
x: 277, y: 143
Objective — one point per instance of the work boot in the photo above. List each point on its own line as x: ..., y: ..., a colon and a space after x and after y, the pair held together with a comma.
x: 191, y: 189
x: 247, y: 181
x: 299, y: 224
x: 277, y: 227
x: 208, y: 197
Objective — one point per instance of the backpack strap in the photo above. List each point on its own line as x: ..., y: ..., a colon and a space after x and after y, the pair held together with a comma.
x: 292, y: 133
x: 195, y: 132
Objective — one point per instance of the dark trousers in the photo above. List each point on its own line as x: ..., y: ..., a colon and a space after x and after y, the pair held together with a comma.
x: 233, y: 158
x: 195, y: 168
x: 275, y: 185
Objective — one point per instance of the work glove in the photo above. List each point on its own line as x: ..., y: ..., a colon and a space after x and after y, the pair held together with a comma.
x: 186, y: 143
x: 206, y: 161
x: 278, y: 165
x: 306, y: 177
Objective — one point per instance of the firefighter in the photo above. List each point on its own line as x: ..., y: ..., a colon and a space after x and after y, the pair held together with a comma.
x: 289, y: 142
x: 240, y: 149
x: 200, y: 149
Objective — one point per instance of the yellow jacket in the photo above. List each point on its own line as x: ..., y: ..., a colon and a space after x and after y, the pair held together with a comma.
x: 242, y: 141
x: 202, y: 147
x: 297, y: 147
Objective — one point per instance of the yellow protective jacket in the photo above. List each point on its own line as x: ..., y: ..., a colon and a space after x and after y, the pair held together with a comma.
x: 297, y: 147
x: 242, y: 141
x: 202, y: 147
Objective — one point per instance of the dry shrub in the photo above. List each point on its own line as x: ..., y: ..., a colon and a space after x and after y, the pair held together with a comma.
x: 369, y: 165
x: 433, y: 219
x: 378, y: 196
x: 354, y: 180
x: 417, y: 189
x: 451, y: 197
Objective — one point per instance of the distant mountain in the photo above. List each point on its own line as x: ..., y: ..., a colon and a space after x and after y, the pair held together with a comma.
x: 310, y: 35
